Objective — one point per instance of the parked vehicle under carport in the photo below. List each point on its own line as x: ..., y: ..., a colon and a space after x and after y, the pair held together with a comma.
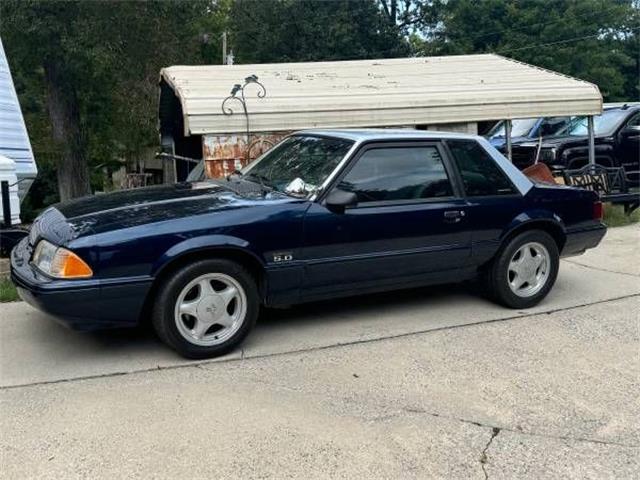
x: 617, y: 144
x: 525, y: 129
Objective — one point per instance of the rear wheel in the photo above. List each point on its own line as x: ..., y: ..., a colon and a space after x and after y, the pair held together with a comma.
x: 525, y: 270
x: 206, y: 308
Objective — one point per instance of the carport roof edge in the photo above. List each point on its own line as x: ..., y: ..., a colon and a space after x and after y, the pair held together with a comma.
x: 375, y: 93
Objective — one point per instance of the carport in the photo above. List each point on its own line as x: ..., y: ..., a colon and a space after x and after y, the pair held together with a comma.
x: 264, y: 102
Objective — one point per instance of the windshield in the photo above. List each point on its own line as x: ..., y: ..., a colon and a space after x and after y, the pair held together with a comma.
x: 519, y: 128
x: 602, y: 124
x: 298, y: 165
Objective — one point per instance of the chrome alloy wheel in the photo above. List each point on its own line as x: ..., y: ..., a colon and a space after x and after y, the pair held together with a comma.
x: 529, y: 269
x: 210, y: 309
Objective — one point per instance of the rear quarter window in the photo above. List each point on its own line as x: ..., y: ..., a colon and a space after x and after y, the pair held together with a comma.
x: 480, y: 174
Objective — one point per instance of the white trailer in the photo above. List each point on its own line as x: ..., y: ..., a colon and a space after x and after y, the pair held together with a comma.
x: 17, y: 164
x: 14, y: 140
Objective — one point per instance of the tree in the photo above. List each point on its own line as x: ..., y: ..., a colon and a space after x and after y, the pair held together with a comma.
x: 408, y: 15
x: 87, y: 72
x: 593, y: 40
x: 307, y: 30
x: 630, y: 39
x: 94, y: 67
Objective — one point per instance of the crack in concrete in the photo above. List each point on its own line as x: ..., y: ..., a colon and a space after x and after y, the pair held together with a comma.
x: 600, y: 269
x: 420, y: 411
x: 483, y: 457
x: 519, y: 316
x: 517, y: 431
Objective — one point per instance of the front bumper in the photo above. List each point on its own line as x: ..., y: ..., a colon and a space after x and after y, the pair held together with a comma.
x: 580, y: 240
x: 80, y: 304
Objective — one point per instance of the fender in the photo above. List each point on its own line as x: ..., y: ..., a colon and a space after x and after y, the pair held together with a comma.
x: 581, y: 152
x: 530, y: 217
x: 204, y: 242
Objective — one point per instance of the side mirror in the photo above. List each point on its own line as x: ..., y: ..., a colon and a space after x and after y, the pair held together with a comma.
x: 338, y: 200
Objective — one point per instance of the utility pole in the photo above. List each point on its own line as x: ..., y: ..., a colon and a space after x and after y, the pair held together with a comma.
x: 507, y: 133
x: 224, y: 48
x: 592, y: 141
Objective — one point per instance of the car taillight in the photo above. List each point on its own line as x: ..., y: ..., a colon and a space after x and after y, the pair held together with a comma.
x: 598, y: 211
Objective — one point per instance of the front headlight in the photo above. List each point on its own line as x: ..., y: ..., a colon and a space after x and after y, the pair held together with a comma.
x: 59, y: 262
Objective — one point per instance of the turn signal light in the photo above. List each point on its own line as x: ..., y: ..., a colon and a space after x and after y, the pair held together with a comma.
x: 598, y: 211
x: 69, y: 265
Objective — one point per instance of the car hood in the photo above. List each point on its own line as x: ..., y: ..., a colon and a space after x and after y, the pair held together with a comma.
x: 554, y: 141
x: 130, y: 208
x: 501, y: 142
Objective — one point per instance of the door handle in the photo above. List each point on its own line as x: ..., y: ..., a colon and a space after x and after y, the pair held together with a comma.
x: 453, y: 216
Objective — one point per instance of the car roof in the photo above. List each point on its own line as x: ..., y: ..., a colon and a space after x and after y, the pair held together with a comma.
x: 360, y: 135
x: 628, y: 108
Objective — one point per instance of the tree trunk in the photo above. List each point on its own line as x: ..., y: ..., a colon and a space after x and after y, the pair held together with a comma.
x: 64, y: 113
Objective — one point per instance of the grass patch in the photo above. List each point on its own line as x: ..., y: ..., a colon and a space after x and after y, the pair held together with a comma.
x: 8, y: 292
x: 614, y: 216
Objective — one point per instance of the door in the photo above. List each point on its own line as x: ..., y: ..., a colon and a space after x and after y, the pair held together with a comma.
x: 408, y: 225
x: 629, y: 148
x: 493, y: 200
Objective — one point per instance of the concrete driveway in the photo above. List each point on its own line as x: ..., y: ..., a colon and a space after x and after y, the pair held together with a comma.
x: 418, y: 384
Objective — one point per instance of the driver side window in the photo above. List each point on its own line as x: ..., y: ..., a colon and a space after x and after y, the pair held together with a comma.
x: 398, y: 174
x: 634, y: 121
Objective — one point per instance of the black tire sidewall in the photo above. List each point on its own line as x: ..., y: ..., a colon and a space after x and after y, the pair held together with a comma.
x: 164, y: 308
x: 499, y: 278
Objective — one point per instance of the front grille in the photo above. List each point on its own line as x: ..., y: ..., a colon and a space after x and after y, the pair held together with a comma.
x: 523, y: 157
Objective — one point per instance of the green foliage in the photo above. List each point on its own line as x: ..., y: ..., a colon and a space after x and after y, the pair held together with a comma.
x: 595, y: 40
x: 614, y: 216
x: 308, y: 30
x: 108, y: 56
x: 8, y: 292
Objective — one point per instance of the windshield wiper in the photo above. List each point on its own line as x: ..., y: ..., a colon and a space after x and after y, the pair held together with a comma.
x: 265, y: 182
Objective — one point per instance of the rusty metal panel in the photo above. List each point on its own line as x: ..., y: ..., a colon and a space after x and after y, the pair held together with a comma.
x: 225, y: 153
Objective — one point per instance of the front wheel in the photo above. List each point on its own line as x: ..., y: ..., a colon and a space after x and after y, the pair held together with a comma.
x: 525, y: 270
x: 206, y: 308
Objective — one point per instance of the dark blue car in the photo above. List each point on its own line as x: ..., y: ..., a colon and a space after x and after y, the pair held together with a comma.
x: 323, y: 214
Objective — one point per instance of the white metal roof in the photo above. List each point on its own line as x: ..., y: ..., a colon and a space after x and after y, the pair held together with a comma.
x: 378, y: 93
x: 14, y: 140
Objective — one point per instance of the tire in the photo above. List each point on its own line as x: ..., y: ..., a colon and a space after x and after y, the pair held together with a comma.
x: 503, y: 278
x: 200, y: 321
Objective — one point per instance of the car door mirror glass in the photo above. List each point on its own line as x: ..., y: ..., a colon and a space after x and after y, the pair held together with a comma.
x: 338, y: 200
